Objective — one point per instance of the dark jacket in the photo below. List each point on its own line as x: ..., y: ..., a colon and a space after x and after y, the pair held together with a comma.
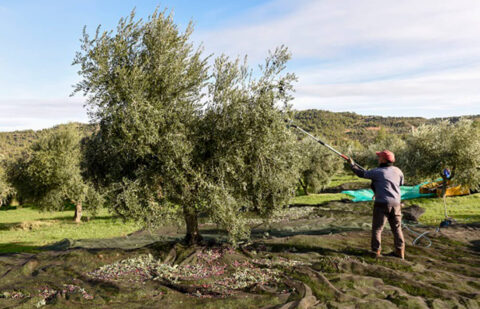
x: 386, y: 182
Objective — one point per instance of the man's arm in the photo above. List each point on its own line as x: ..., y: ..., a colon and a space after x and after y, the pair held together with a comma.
x: 359, y: 171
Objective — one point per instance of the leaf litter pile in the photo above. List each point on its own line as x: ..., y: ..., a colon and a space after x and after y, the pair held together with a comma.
x: 317, y: 258
x: 212, y: 274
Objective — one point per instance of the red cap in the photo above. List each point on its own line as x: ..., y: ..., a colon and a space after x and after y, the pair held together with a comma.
x: 387, y: 155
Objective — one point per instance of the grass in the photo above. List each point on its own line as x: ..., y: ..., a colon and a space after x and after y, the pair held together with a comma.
x: 340, y: 179
x: 314, y: 199
x: 24, y: 229
x: 464, y: 209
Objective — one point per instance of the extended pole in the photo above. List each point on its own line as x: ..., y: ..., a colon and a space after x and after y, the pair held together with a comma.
x: 345, y: 157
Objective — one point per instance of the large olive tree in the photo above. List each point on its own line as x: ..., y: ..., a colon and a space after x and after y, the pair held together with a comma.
x: 50, y: 175
x: 432, y: 148
x: 177, y: 140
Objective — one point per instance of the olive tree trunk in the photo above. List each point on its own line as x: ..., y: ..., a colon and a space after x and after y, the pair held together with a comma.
x: 78, y: 212
x: 304, y: 186
x: 191, y: 220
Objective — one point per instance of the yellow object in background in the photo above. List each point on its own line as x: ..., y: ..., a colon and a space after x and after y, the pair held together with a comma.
x: 436, y: 187
x: 454, y: 191
x: 431, y: 187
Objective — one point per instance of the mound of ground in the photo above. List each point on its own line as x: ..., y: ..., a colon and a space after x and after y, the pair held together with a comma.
x: 412, y: 213
x: 309, y: 257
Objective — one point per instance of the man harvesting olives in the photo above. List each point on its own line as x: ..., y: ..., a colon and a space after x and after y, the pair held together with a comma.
x: 386, y: 182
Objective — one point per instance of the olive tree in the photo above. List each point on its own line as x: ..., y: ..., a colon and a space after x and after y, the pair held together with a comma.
x: 176, y: 140
x: 384, y: 140
x: 318, y: 165
x: 432, y: 148
x: 50, y: 175
x: 6, y: 190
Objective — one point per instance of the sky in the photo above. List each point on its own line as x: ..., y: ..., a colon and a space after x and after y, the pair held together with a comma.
x: 372, y: 57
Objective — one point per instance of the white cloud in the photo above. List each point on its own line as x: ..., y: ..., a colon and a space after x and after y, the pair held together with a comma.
x: 22, y: 114
x: 384, y: 57
x: 323, y: 28
x: 373, y: 56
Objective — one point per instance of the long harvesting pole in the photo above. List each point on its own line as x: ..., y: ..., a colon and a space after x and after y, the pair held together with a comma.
x: 345, y: 157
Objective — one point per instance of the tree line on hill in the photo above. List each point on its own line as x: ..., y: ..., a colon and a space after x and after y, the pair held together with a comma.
x: 176, y: 139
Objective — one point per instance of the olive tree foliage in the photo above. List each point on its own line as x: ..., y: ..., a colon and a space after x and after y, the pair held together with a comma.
x: 176, y: 140
x: 317, y: 165
x: 384, y: 140
x: 6, y: 190
x: 433, y: 148
x: 245, y: 150
x: 50, y: 174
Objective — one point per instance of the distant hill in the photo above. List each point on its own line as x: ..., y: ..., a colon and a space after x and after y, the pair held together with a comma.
x: 337, y: 127
x: 13, y: 144
x: 333, y: 127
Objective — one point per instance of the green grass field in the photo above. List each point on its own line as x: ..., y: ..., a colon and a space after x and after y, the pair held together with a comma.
x: 23, y: 229
x: 340, y: 179
x: 464, y: 209
x: 314, y: 199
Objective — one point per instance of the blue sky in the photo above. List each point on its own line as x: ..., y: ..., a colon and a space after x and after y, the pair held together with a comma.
x: 381, y: 57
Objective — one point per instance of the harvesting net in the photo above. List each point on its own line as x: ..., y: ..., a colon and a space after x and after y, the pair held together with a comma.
x: 408, y: 193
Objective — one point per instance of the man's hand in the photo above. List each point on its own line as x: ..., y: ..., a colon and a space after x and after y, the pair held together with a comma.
x: 350, y: 160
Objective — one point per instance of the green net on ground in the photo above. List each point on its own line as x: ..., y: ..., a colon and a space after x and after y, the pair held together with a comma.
x: 408, y: 193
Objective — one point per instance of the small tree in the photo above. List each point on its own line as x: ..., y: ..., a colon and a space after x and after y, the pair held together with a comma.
x: 165, y: 150
x: 384, y: 140
x: 433, y: 148
x: 50, y: 176
x: 318, y: 166
x: 6, y: 190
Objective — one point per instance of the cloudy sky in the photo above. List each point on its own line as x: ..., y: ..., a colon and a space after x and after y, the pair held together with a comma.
x: 376, y: 57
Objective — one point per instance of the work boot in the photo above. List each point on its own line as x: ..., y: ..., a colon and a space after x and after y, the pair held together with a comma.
x: 400, y: 253
x: 376, y: 253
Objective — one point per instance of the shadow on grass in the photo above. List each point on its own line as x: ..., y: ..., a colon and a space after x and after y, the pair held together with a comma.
x: 18, y: 247
x: 70, y: 218
x: 467, y: 218
x: 8, y: 226
x: 475, y: 245
x: 7, y: 208
x: 61, y: 219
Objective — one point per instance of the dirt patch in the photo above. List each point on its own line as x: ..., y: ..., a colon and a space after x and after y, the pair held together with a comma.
x: 33, y: 225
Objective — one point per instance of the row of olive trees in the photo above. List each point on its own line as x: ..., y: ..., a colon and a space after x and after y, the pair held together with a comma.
x: 430, y: 149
